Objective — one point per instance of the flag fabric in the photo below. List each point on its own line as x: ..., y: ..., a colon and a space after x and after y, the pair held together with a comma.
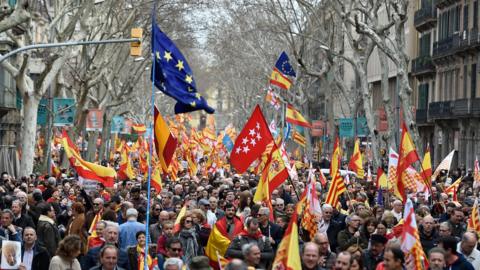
x: 382, y: 181
x: 282, y: 69
x: 219, y: 239
x: 293, y: 116
x: 251, y: 142
x: 165, y: 142
x: 288, y: 252
x: 410, y: 239
x: 407, y: 156
x: 453, y: 188
x: 392, y: 166
x: 125, y: 170
x: 139, y: 128
x: 87, y: 170
x: 54, y: 169
x: 156, y: 177
x: 337, y: 186
x: 273, y: 99
x: 312, y: 208
x: 181, y: 214
x: 273, y: 175
x: 273, y: 128
x: 369, y: 174
x: 291, y: 172
x: 299, y: 138
x: 173, y: 76
x: 474, y: 221
x: 476, y: 170
x: 444, y: 165
x: 356, y: 162
x: 427, y: 167
x: 227, y: 142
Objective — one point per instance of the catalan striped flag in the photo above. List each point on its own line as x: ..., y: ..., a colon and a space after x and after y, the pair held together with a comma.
x: 337, y: 186
x: 299, y: 138
x: 474, y: 220
x: 165, y: 142
x: 87, y: 170
x: 293, y: 116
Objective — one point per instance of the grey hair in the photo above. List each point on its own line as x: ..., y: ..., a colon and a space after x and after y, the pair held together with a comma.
x: 52, y: 181
x: 326, y: 206
x: 173, y: 261
x: 247, y: 248
x: 348, y: 219
x: 447, y: 224
x: 264, y: 210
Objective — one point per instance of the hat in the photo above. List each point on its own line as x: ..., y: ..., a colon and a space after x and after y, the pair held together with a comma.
x: 199, y: 263
x: 204, y: 202
x: 377, y: 238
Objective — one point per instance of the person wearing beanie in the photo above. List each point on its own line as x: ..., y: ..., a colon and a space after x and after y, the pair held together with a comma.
x: 129, y: 229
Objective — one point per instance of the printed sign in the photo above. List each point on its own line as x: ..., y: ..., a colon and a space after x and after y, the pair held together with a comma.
x: 42, y: 112
x: 94, y: 120
x: 118, y: 123
x: 64, y: 110
x: 11, y: 254
x: 127, y: 126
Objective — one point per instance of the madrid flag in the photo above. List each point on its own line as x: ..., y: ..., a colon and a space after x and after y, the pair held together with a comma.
x: 251, y: 142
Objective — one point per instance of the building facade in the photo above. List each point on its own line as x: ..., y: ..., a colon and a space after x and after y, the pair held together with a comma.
x: 445, y: 70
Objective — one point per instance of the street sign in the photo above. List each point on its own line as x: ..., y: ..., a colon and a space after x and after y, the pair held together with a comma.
x: 117, y: 124
x: 94, y: 120
x: 64, y: 111
x: 42, y: 112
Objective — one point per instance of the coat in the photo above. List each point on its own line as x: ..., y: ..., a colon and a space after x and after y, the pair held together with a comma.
x: 48, y: 234
x: 58, y: 263
x: 235, y: 248
x: 41, y: 258
x: 133, y: 256
x: 24, y: 221
x: 76, y: 226
x: 345, y: 239
x: 274, y: 231
x: 91, y: 259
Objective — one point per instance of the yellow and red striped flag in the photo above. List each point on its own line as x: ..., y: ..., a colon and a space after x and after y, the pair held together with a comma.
x: 337, y: 186
x: 299, y: 138
x: 427, y: 167
x: 165, y: 142
x: 356, y: 162
x: 473, y: 221
x: 139, y: 128
x: 288, y: 252
x: 176, y: 225
x: 293, y: 116
x: 125, y: 170
x: 407, y: 156
x: 87, y: 170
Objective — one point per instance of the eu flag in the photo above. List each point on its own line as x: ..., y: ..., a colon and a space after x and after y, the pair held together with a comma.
x: 173, y: 76
x: 284, y: 66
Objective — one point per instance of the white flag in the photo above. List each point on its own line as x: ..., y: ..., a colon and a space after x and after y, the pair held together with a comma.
x: 444, y: 165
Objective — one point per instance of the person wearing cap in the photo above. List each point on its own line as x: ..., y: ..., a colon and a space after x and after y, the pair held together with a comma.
x: 204, y: 205
x: 129, y: 229
x: 374, y: 255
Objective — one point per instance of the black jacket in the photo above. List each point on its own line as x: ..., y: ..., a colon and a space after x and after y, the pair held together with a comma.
x: 369, y: 261
x: 332, y: 232
x: 91, y: 259
x: 41, y: 258
x: 428, y: 242
x: 274, y: 231
x: 24, y: 221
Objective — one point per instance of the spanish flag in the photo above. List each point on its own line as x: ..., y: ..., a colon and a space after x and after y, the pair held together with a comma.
x: 382, y: 181
x: 219, y: 240
x: 125, y: 171
x: 288, y: 252
x: 282, y: 69
x: 356, y: 163
x: 139, y: 128
x: 427, y: 168
x: 406, y: 157
x: 156, y: 178
x: 337, y: 186
x: 280, y: 80
x: 176, y: 225
x: 54, y: 169
x: 87, y: 170
x: 453, y: 188
x: 295, y: 117
x: 165, y: 142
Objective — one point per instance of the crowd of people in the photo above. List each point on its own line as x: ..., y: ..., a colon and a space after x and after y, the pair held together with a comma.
x: 61, y: 225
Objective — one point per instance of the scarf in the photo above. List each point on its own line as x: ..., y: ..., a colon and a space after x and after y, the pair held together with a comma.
x: 141, y: 259
x: 93, y: 226
x: 189, y: 243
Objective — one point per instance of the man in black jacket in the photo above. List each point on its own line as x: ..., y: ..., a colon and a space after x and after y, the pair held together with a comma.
x: 269, y: 229
x: 428, y: 234
x: 34, y: 256
x: 21, y: 220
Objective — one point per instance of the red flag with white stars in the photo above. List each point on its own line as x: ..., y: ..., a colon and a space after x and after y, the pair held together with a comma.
x: 251, y: 142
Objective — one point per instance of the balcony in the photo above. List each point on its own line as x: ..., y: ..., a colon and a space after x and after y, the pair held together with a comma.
x: 440, y: 110
x: 421, y: 116
x: 423, y: 66
x: 461, y: 107
x: 469, y: 41
x: 445, y: 3
x: 446, y: 47
x: 425, y: 18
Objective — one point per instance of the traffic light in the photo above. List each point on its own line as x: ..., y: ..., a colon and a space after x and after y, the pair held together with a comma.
x: 136, y: 47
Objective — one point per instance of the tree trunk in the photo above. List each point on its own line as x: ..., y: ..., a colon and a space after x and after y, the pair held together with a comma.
x: 105, y: 137
x: 30, y: 107
x: 387, y: 101
x: 92, y: 146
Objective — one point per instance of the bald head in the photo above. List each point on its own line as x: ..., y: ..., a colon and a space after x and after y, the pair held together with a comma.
x: 428, y: 224
x: 469, y: 243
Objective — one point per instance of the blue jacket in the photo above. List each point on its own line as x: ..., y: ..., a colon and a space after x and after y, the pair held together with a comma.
x: 92, y: 259
x: 128, y: 231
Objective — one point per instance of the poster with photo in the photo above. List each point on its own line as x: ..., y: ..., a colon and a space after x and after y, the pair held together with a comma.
x: 11, y: 255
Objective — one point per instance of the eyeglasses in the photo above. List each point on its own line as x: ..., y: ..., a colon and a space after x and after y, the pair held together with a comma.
x: 175, y: 249
x: 188, y: 221
x: 158, y: 209
x: 96, y: 204
x: 31, y: 186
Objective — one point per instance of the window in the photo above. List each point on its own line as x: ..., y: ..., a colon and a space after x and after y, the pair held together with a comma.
x: 465, y: 80
x: 423, y: 96
x: 465, y: 17
x: 424, y: 49
x: 473, y: 92
x: 475, y: 14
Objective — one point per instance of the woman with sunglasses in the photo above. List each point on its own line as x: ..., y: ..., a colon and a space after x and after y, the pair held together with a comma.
x: 189, y: 238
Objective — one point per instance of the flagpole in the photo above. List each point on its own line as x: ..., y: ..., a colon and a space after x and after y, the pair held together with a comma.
x: 147, y: 221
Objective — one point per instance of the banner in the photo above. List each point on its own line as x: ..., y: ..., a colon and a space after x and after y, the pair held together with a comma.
x: 127, y: 126
x: 118, y: 123
x: 64, y: 111
x: 362, y: 127
x: 94, y: 120
x: 346, y: 127
x: 42, y: 112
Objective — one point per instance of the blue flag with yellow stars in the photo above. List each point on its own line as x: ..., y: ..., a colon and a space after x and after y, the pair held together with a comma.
x: 283, y: 65
x: 173, y: 76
